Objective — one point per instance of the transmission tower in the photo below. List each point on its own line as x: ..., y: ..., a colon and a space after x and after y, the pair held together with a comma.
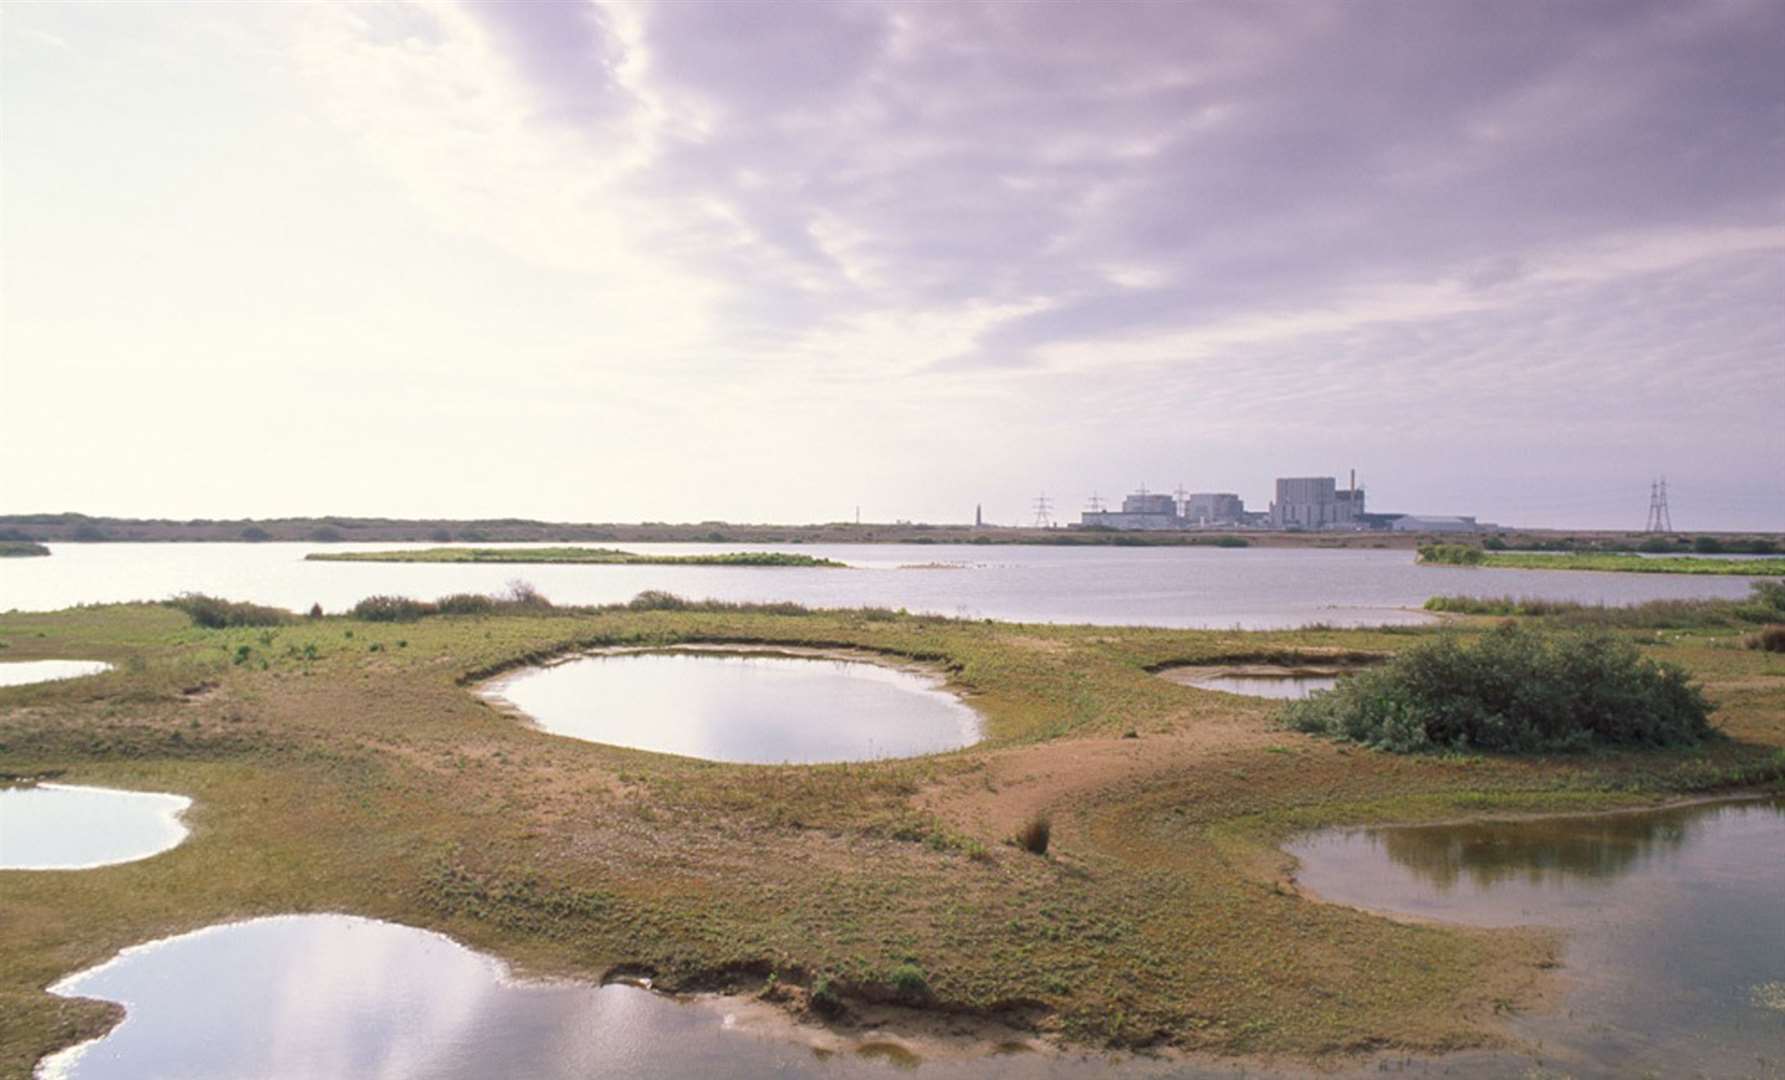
x: 1183, y: 500
x: 1044, y: 516
x: 1660, y: 521
x: 1096, y: 506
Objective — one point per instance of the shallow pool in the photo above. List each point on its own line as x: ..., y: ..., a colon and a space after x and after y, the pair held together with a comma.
x: 1675, y: 923
x: 753, y: 707
x: 65, y: 827
x: 24, y: 672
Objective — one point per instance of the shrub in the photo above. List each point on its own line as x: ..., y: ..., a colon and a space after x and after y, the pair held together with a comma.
x: 465, y: 604
x: 824, y: 997
x: 1708, y: 545
x: 215, y: 613
x: 657, y: 600
x: 316, y: 611
x: 1034, y: 835
x: 1516, y: 690
x: 1770, y: 639
x: 391, y: 609
x: 909, y: 982
x: 1450, y: 554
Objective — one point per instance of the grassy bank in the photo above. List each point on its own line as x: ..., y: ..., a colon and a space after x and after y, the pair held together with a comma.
x: 21, y: 549
x: 1765, y: 603
x: 596, y: 556
x: 1466, y: 555
x: 342, y: 764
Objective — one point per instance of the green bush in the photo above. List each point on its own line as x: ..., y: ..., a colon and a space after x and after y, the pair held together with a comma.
x: 909, y: 982
x: 465, y: 604
x: 1450, y: 554
x: 1516, y: 690
x: 391, y: 609
x: 1770, y: 639
x: 216, y: 613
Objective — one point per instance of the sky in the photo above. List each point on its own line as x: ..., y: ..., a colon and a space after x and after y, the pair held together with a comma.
x: 684, y: 261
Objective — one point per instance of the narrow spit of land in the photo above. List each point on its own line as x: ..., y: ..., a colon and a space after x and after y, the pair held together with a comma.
x: 595, y: 556
x: 1612, y: 562
x: 339, y: 764
x: 21, y: 549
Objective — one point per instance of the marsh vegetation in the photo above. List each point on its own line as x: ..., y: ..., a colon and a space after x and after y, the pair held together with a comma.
x: 592, y: 556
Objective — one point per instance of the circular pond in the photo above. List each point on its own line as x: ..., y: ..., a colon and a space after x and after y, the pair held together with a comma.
x: 755, y: 707
x: 65, y: 827
x: 24, y: 672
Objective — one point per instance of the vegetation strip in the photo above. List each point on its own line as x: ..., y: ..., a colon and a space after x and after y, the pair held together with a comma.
x: 1467, y: 555
x: 1106, y: 890
x: 21, y: 549
x: 599, y: 556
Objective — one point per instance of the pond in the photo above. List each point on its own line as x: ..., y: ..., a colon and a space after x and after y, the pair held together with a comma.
x: 1256, y: 680
x: 752, y: 706
x: 1674, y: 961
x: 1253, y: 588
x: 306, y: 996
x: 66, y: 827
x: 25, y: 672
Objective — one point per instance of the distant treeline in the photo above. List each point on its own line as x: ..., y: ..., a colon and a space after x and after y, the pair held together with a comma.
x: 597, y: 556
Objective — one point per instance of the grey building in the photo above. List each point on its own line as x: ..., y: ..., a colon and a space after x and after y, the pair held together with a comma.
x: 1141, y: 510
x: 1214, y: 508
x: 1316, y: 502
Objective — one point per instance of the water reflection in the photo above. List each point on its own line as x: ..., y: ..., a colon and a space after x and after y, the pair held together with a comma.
x: 1276, y: 687
x: 744, y: 707
x: 23, y: 672
x: 65, y: 827
x: 313, y: 996
x: 1673, y: 919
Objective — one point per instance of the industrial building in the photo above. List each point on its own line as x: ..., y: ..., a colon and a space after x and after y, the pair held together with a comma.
x: 1205, y: 508
x: 1141, y: 510
x: 1317, y: 502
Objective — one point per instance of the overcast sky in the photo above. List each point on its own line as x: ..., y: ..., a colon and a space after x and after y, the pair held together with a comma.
x: 731, y: 260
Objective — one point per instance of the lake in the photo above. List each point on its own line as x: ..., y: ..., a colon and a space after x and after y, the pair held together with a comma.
x: 67, y: 827
x: 756, y: 707
x: 1256, y: 588
x: 1675, y: 921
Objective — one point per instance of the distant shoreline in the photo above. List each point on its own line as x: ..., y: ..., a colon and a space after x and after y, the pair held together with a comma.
x: 81, y: 528
x: 573, y: 555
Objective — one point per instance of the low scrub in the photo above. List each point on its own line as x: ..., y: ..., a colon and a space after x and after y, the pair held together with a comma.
x: 520, y: 599
x: 1765, y: 604
x: 1451, y: 554
x: 1770, y: 639
x: 21, y: 549
x: 216, y: 613
x: 1516, y: 690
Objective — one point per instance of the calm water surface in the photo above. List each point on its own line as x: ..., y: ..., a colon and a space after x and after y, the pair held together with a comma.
x: 322, y: 997
x: 745, y: 707
x: 64, y: 827
x: 1181, y: 587
x: 24, y: 672
x: 1278, y: 687
x: 1675, y: 922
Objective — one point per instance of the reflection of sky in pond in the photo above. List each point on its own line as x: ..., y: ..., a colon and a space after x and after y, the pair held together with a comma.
x: 308, y: 997
x: 1674, y: 919
x: 748, y: 708
x: 1284, y: 687
x: 63, y: 827
x: 24, y: 672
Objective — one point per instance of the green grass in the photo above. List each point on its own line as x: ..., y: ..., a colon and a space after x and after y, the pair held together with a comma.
x: 596, y: 556
x: 1764, y: 604
x: 341, y: 764
x: 1465, y: 555
x: 21, y: 549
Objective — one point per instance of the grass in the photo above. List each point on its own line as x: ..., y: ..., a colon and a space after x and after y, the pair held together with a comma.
x: 1765, y: 604
x: 21, y: 549
x: 594, y: 556
x: 330, y: 775
x: 1467, y: 555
